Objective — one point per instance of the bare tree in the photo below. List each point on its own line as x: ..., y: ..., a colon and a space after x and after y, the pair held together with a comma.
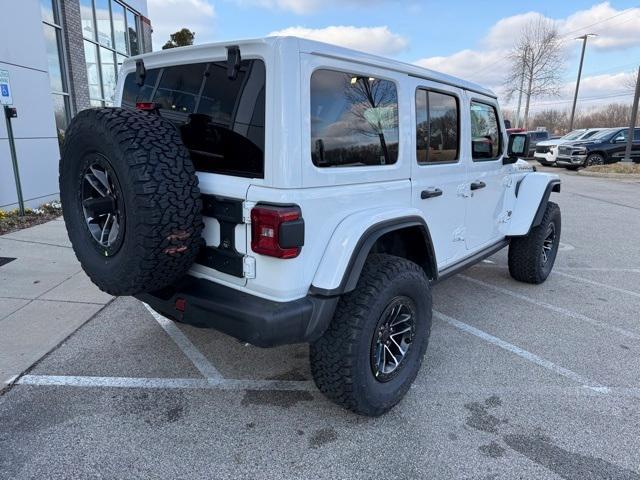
x: 535, y: 63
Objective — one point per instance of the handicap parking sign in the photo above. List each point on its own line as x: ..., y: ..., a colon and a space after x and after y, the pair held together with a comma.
x: 5, y: 88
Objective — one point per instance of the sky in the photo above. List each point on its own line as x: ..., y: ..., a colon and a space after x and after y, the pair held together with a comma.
x: 469, y: 39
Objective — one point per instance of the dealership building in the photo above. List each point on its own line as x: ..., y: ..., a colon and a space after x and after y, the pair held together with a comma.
x: 57, y: 57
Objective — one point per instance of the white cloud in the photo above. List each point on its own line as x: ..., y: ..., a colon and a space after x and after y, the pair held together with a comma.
x: 303, y: 6
x: 482, y: 67
x: 378, y: 40
x: 487, y: 64
x: 620, y: 32
x: 169, y: 16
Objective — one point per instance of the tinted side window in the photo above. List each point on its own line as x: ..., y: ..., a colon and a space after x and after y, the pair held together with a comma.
x: 486, y: 141
x: 436, y: 127
x: 221, y: 120
x: 354, y: 120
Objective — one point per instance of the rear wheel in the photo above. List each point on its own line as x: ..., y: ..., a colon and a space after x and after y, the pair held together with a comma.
x: 373, y: 349
x: 130, y: 200
x: 531, y: 257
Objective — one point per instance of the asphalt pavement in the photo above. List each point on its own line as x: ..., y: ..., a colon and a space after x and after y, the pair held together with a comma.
x: 519, y: 381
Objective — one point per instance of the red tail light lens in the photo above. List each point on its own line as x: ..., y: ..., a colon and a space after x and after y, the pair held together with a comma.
x: 277, y: 231
x: 148, y: 106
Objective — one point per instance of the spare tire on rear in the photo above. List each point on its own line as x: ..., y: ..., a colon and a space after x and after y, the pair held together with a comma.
x: 130, y: 200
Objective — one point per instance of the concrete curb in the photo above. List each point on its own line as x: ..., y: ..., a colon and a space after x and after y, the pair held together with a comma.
x: 622, y: 176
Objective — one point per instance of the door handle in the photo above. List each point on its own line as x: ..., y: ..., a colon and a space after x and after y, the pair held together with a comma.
x: 477, y: 185
x: 430, y: 193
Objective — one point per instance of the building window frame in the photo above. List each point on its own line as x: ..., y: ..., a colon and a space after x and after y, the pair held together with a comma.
x: 113, y: 51
x: 59, y: 30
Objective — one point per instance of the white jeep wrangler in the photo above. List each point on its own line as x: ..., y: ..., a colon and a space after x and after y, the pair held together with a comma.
x: 282, y: 190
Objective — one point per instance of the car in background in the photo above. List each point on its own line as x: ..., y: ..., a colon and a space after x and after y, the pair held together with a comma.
x: 547, y: 150
x: 536, y: 136
x: 515, y: 130
x: 606, y: 146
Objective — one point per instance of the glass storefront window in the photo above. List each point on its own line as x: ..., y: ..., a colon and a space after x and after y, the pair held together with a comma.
x: 61, y: 112
x: 119, y: 32
x: 93, y: 74
x: 108, y: 42
x: 103, y: 23
x: 48, y: 11
x: 51, y: 37
x: 86, y: 16
x: 132, y: 30
x: 108, y: 73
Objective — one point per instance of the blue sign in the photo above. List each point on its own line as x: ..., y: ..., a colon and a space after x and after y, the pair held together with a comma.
x: 4, y: 89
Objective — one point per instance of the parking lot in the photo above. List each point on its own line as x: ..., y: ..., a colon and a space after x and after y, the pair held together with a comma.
x: 519, y: 381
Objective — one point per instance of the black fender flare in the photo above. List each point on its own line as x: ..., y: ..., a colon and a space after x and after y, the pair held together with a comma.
x: 364, y: 245
x: 552, y: 186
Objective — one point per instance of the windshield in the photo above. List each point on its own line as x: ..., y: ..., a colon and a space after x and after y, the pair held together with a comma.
x: 604, y: 134
x: 573, y: 135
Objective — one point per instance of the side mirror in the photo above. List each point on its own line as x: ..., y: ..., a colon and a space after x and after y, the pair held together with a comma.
x: 518, y: 147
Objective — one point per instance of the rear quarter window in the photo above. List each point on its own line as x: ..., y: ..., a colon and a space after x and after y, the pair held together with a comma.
x: 354, y: 120
x: 221, y: 121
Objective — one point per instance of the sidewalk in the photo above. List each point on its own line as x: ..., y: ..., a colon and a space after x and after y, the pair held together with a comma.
x: 44, y: 295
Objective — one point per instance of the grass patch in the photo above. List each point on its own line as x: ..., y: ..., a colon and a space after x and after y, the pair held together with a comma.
x: 11, y: 221
x: 615, y: 168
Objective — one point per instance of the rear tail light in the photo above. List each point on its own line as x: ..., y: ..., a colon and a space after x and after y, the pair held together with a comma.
x: 277, y: 231
x: 147, y: 106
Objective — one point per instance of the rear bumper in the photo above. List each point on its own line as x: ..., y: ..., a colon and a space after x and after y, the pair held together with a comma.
x: 252, y: 319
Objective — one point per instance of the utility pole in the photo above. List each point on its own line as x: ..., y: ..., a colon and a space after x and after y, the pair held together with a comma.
x: 575, y: 97
x: 632, y: 123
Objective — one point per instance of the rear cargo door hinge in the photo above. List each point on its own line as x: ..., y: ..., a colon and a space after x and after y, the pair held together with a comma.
x: 249, y: 267
x: 246, y: 211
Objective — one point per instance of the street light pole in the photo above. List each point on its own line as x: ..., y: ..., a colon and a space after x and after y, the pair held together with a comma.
x: 575, y: 97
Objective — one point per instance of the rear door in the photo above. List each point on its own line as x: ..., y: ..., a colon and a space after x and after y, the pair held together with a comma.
x: 619, y: 142
x: 438, y: 170
x: 487, y: 176
x: 222, y: 124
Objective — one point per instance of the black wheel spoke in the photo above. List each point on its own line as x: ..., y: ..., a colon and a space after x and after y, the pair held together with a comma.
x: 393, y: 338
x: 100, y: 205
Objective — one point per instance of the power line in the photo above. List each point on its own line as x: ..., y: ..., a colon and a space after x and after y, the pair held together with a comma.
x: 563, y: 38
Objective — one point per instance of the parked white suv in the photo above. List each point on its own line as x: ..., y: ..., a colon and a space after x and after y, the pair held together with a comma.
x: 546, y: 152
x: 282, y: 190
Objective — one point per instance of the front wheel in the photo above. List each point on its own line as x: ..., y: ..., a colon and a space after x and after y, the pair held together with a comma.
x: 531, y: 257
x: 372, y: 351
x: 594, y: 159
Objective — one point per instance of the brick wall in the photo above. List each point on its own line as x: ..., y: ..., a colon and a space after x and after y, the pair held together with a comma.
x: 72, y: 32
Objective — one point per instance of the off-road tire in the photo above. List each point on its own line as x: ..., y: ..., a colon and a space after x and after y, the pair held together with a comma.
x: 340, y: 359
x: 158, y: 198
x: 525, y: 253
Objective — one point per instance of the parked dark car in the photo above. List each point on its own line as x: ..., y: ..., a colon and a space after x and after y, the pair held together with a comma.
x: 535, y: 137
x: 607, y: 146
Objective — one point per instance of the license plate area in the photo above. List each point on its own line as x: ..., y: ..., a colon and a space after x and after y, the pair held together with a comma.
x: 224, y: 257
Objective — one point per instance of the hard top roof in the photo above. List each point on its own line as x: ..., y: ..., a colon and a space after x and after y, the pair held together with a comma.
x: 347, y: 54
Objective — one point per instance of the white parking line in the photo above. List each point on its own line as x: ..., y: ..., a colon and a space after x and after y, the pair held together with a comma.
x: 531, y: 357
x: 204, y: 366
x: 598, y: 284
x: 553, y: 308
x: 165, y: 383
